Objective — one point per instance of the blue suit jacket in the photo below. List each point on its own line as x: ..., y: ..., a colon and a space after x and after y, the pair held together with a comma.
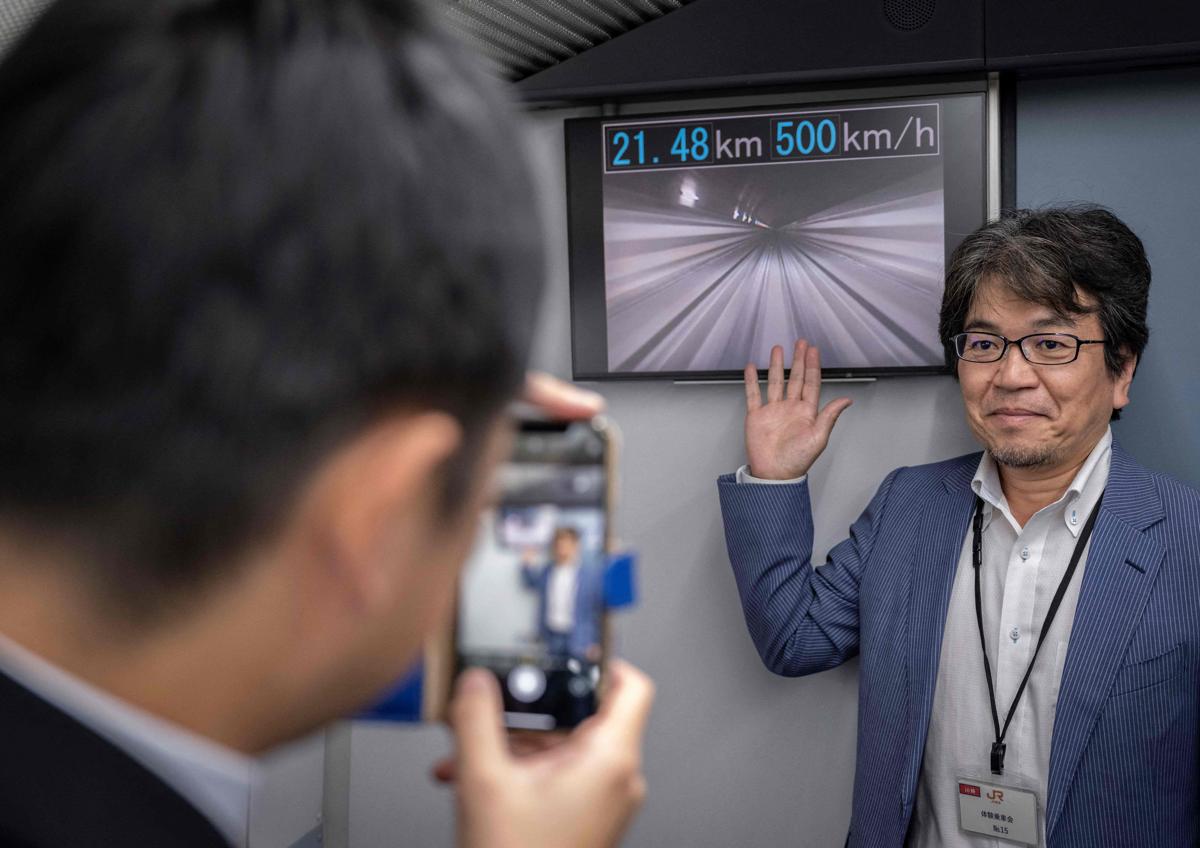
x: 589, y: 602
x: 1125, y: 757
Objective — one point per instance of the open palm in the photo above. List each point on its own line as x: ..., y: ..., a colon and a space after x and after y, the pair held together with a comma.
x: 786, y: 434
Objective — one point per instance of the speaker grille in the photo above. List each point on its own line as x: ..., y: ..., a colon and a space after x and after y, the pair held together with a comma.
x: 909, y: 14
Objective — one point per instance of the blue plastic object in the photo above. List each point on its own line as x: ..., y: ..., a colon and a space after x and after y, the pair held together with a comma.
x: 620, y: 581
x: 403, y: 703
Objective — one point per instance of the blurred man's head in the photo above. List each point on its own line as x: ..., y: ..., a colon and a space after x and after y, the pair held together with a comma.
x: 267, y: 278
x: 566, y: 545
x: 1072, y: 284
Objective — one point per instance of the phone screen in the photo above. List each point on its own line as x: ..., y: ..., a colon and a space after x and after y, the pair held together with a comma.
x: 531, y: 603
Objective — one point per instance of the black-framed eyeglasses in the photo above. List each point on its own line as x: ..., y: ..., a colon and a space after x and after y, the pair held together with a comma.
x: 1037, y: 348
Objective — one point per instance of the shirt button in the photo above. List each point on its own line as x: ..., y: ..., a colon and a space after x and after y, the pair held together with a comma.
x: 1014, y: 634
x: 1025, y: 553
x: 1074, y: 517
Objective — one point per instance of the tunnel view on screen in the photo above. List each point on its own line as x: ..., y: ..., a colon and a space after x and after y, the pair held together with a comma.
x: 708, y: 268
x: 699, y: 242
x: 531, y: 603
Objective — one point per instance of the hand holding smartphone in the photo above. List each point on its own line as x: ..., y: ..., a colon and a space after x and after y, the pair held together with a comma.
x: 584, y: 788
x: 580, y: 793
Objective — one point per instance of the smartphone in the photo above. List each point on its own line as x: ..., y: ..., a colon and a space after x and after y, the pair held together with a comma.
x: 531, y: 604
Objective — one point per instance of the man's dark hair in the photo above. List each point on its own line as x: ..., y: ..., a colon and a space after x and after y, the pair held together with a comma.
x: 1048, y: 256
x: 232, y: 235
x: 566, y: 530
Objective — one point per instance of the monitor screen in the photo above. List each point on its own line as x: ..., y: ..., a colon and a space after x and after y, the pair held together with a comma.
x: 699, y: 241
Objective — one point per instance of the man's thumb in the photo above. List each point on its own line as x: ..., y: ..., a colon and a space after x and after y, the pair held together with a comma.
x: 476, y: 717
x: 829, y: 415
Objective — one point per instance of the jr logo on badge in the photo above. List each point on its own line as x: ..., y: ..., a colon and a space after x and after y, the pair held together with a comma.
x: 1000, y: 812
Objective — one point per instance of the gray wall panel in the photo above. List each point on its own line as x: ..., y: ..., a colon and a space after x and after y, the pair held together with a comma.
x: 1131, y: 141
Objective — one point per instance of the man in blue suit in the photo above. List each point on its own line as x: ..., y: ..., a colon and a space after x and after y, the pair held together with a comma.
x: 570, y: 600
x: 1028, y: 618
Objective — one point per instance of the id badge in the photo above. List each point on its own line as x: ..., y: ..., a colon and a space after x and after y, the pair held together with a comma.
x: 998, y: 811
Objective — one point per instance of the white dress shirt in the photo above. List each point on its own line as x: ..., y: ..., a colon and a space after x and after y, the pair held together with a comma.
x: 212, y: 778
x: 560, y: 596
x: 1020, y: 572
x: 744, y: 476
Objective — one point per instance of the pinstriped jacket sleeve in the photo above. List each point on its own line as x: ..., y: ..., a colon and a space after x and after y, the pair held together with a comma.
x: 802, y: 620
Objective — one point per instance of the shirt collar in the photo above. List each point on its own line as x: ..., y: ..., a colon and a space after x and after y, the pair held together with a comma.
x: 1076, y: 502
x: 214, y: 779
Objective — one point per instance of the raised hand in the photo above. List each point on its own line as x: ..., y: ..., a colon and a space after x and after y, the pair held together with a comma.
x: 785, y: 435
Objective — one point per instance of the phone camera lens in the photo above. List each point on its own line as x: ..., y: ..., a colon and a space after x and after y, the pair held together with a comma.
x: 579, y: 686
x: 526, y: 683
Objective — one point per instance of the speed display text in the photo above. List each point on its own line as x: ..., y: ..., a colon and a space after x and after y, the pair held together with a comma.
x: 845, y: 133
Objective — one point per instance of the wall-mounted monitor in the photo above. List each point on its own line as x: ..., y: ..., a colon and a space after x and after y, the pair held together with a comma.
x: 699, y: 240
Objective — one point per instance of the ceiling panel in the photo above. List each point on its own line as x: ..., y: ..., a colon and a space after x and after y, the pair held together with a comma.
x: 522, y: 37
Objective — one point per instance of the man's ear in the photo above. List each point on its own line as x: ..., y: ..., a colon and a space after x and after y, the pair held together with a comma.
x: 1122, y: 381
x: 382, y: 486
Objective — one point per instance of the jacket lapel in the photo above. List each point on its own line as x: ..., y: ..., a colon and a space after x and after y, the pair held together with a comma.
x: 935, y: 563
x: 1119, y: 573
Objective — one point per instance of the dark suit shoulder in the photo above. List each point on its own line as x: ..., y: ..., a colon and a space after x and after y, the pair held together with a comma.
x: 63, y: 784
x: 1178, y: 496
x: 943, y: 467
x: 958, y: 470
x: 1144, y: 497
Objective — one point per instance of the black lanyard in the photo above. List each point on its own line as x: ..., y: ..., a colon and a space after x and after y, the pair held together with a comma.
x: 998, y: 747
